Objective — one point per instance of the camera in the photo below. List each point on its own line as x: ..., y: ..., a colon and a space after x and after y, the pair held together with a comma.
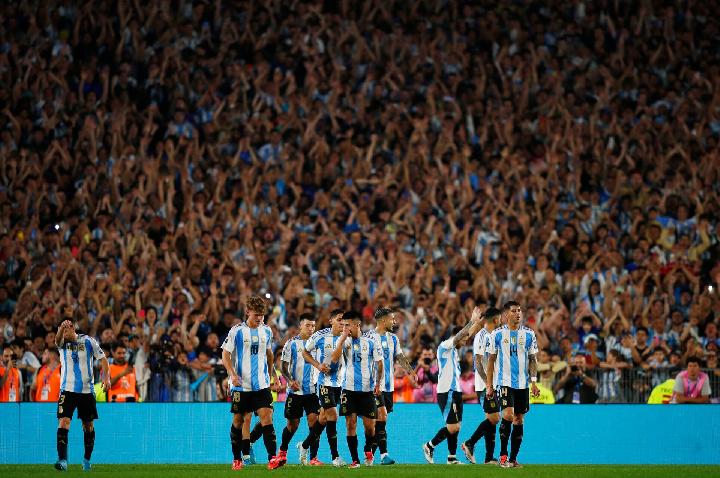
x: 574, y: 369
x: 427, y: 361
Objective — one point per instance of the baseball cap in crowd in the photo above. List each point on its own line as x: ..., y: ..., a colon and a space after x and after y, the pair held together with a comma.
x: 590, y: 337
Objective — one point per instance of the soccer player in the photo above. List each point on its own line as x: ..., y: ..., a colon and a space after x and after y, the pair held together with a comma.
x: 78, y: 355
x: 513, y: 351
x: 490, y: 406
x: 318, y: 352
x: 391, y: 351
x: 248, y: 358
x: 363, y: 375
x: 301, y: 380
x: 449, y: 394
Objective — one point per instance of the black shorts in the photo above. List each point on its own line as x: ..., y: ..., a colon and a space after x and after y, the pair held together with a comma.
x: 490, y: 405
x: 246, y: 402
x: 297, y: 405
x: 451, y: 407
x: 516, y: 398
x: 358, y: 403
x: 385, y: 399
x: 83, y: 402
x: 329, y: 396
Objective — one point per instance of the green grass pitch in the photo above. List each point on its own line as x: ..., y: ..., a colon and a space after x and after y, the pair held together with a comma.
x: 395, y: 471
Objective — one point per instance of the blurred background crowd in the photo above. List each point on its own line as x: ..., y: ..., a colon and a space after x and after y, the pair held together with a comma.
x: 160, y: 161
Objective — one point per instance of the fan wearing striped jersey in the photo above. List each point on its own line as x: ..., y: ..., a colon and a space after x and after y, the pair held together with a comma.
x: 392, y: 352
x: 513, y: 360
x: 449, y: 390
x: 78, y: 355
x: 300, y: 376
x: 491, y: 406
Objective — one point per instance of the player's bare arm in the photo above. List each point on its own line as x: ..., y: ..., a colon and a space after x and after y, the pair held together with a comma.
x: 227, y: 362
x: 322, y: 367
x: 286, y: 373
x: 273, y: 372
x: 337, y: 353
x: 467, y: 331
x: 480, y: 364
x: 379, y: 375
x: 105, y: 373
x: 404, y: 363
x: 489, y: 372
x: 532, y: 368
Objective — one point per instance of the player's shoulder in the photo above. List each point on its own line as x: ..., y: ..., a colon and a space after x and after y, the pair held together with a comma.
x: 321, y: 333
x: 499, y: 330
x: 527, y: 330
x: 370, y: 334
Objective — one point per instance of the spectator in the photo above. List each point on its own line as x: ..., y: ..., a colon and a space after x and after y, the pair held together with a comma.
x: 576, y: 385
x: 403, y: 387
x: 548, y: 369
x: 122, y: 377
x: 427, y: 373
x: 10, y: 378
x: 467, y: 383
x: 611, y: 377
x: 692, y: 385
x: 46, y: 383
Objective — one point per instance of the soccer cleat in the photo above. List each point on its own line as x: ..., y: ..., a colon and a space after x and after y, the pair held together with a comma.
x: 86, y: 465
x: 386, y: 460
x: 250, y: 460
x: 491, y: 461
x: 515, y: 464
x: 237, y: 465
x: 428, y: 451
x: 338, y: 462
x: 369, y: 458
x: 303, y: 453
x: 61, y: 465
x: 504, y: 463
x: 469, y: 451
x: 354, y: 465
x: 277, y: 461
x: 452, y: 460
x: 316, y: 462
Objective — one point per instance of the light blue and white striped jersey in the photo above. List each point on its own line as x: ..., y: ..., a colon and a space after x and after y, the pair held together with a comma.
x: 299, y: 369
x: 478, y: 349
x: 390, y: 347
x: 249, y: 355
x: 361, y: 355
x: 77, y: 363
x: 321, y: 345
x: 449, y: 362
x: 513, y: 347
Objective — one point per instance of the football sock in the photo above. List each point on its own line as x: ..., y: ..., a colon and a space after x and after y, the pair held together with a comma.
x: 332, y: 438
x: 270, y: 440
x: 236, y: 442
x: 516, y: 441
x: 313, y: 435
x: 504, y: 436
x: 287, y: 435
x: 439, y: 437
x: 352, y: 442
x: 369, y: 441
x: 256, y: 432
x: 490, y: 443
x: 452, y: 439
x: 314, y: 448
x: 62, y: 443
x: 381, y: 436
x: 245, y: 446
x: 479, y: 432
x: 89, y: 441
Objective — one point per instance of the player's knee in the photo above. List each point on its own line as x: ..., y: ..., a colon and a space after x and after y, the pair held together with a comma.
x: 292, y: 425
x: 64, y: 423
x: 351, y: 422
x: 453, y: 428
x: 508, y: 414
x: 519, y: 420
x: 238, y: 421
x: 88, y: 426
x: 494, y: 418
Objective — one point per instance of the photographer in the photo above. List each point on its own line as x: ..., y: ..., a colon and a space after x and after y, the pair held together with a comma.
x: 123, y: 384
x: 576, y: 385
x: 161, y: 357
x: 427, y: 373
x: 10, y: 378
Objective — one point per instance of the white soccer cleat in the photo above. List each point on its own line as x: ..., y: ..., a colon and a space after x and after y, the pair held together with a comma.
x: 452, y: 460
x: 303, y: 454
x: 428, y: 453
x: 338, y: 462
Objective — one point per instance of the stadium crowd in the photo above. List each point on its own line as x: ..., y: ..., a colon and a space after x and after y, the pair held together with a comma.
x: 160, y: 161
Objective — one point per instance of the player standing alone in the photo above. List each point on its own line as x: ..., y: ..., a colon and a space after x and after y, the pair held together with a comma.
x: 78, y: 354
x: 248, y: 358
x: 513, y: 351
x: 491, y: 407
x: 391, y: 351
x: 363, y: 374
x: 301, y: 395
x: 449, y: 394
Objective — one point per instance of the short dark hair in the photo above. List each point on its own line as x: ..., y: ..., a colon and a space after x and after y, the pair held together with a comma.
x: 336, y: 312
x: 643, y: 329
x: 491, y: 312
x: 118, y: 345
x: 693, y: 360
x: 510, y: 304
x: 382, y: 312
x: 587, y: 318
x: 307, y: 316
x: 351, y: 315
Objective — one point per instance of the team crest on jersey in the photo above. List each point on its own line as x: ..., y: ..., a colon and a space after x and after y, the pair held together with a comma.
x: 364, y: 348
x: 521, y: 341
x: 356, y: 347
x: 81, y: 347
x: 255, y: 339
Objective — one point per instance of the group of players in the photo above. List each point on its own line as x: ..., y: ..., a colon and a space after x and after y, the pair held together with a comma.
x: 339, y: 365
